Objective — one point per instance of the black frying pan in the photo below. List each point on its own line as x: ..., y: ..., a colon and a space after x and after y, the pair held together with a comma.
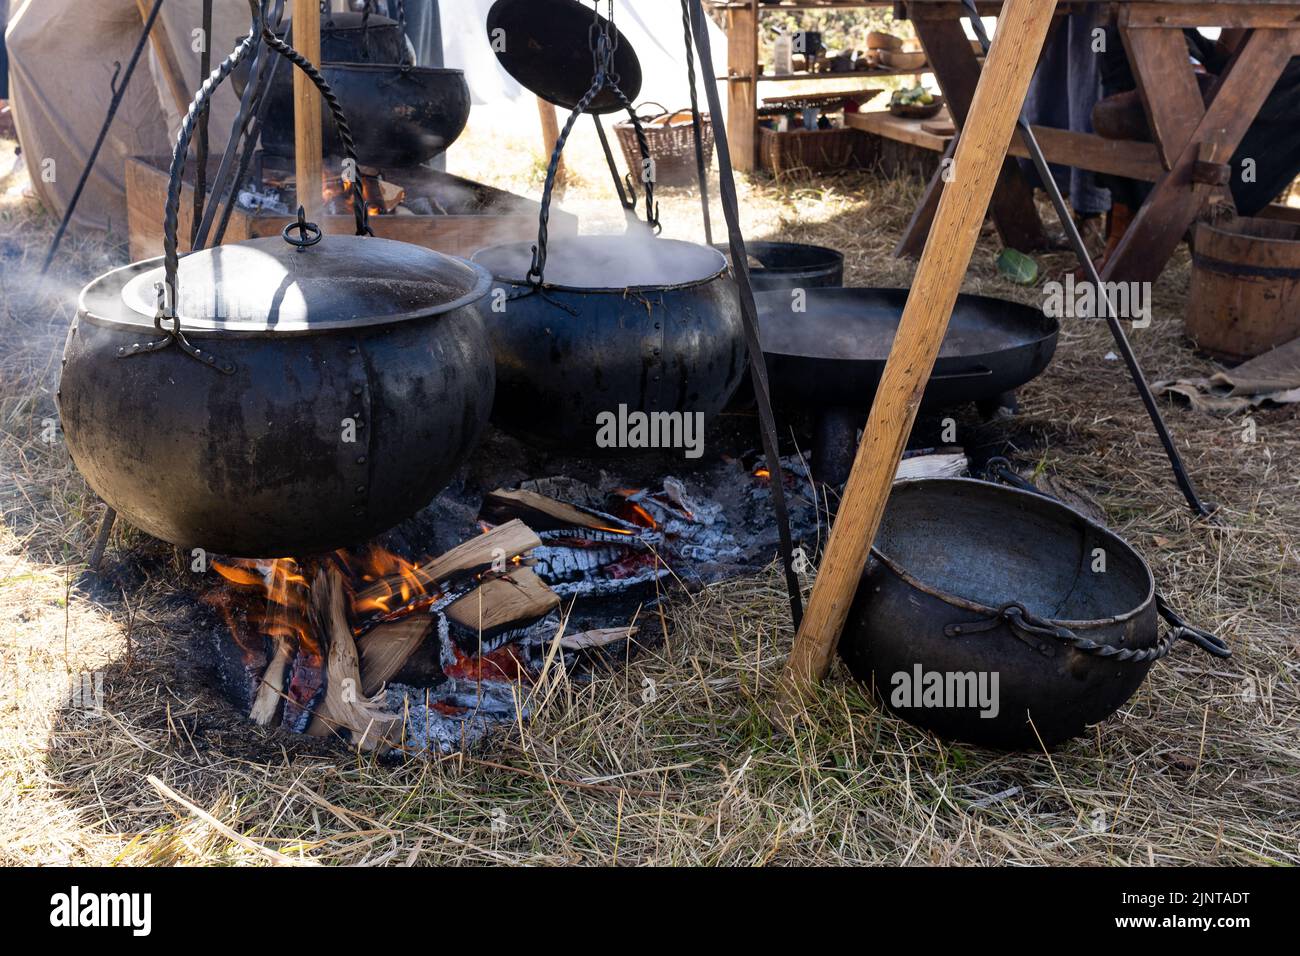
x: 830, y: 356
x: 546, y: 46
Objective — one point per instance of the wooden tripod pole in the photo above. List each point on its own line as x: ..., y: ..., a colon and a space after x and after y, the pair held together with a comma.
x: 981, y: 149
x: 308, y: 145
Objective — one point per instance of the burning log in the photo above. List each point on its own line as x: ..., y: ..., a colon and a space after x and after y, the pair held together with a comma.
x: 510, y: 602
x: 344, y: 706
x: 504, y: 543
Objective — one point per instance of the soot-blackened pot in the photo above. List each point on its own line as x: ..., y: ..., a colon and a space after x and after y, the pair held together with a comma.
x: 974, y: 582
x: 651, y: 325
x: 315, y: 396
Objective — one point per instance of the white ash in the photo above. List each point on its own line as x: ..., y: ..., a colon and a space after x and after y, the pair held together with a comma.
x: 425, y: 728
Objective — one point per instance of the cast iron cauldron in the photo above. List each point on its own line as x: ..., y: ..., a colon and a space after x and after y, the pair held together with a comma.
x: 970, y: 577
x: 345, y: 37
x: 792, y: 265
x: 410, y: 113
x: 276, y: 396
x: 651, y: 324
x: 361, y: 377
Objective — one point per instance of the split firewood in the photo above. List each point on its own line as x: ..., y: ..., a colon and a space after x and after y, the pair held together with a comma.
x: 269, y: 692
x: 386, y: 649
x: 600, y: 637
x: 508, y: 541
x: 545, y: 513
x: 345, y: 707
x: 516, y: 598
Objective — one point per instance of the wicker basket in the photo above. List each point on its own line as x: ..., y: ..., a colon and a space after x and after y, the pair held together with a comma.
x: 672, y: 144
x: 816, y: 150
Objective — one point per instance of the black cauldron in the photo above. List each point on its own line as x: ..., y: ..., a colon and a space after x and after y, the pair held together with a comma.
x: 407, y: 115
x: 278, y: 396
x: 792, y: 265
x: 649, y: 325
x: 348, y: 381
x: 974, y: 582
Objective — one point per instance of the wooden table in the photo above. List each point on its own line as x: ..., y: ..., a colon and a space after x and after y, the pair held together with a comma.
x: 1192, y: 140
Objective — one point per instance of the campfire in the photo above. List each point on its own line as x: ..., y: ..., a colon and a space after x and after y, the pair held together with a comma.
x: 389, y: 652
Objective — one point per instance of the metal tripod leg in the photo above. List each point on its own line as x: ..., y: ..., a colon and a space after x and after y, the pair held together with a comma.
x: 101, y: 538
x: 1108, y: 313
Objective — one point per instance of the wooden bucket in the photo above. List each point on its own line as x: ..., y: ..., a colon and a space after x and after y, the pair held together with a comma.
x: 1245, y: 294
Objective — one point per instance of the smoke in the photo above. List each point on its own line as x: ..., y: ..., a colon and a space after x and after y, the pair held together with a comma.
x: 634, y: 260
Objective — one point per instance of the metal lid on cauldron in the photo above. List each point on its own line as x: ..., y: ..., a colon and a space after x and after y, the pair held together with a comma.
x: 621, y: 263
x: 545, y: 45
x: 269, y: 286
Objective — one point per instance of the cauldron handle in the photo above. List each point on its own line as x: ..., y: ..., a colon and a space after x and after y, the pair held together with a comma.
x: 603, y: 46
x: 171, y: 257
x: 1210, y: 643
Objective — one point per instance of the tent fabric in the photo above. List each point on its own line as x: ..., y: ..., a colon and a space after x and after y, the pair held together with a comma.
x: 61, y: 66
x: 62, y: 55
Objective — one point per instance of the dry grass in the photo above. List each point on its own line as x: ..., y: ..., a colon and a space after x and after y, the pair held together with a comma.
x: 671, y: 759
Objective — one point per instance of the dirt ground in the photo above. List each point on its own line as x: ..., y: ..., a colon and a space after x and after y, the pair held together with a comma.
x: 1201, y: 766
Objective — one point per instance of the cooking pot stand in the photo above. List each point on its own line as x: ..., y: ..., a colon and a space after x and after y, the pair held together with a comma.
x: 1030, y: 628
x: 307, y: 233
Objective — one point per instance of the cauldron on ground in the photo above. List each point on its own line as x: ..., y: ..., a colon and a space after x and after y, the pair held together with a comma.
x: 975, y: 587
x: 649, y: 325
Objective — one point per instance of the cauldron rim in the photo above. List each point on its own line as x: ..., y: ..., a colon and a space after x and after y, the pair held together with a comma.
x: 1047, y: 504
x: 524, y: 248
x: 827, y: 256
x: 100, y: 302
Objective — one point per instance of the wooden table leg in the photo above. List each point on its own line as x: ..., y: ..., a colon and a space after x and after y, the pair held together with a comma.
x: 957, y: 71
x: 918, y: 227
x: 1176, y: 200
x: 1167, y: 85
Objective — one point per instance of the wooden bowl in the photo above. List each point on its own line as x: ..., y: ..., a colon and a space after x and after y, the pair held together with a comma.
x: 917, y: 110
x: 899, y: 60
x: 876, y: 40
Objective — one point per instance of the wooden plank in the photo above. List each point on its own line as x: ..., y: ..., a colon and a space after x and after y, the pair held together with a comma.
x: 1167, y: 86
x: 308, y: 144
x: 1229, y: 16
x: 1174, y: 203
x: 742, y: 97
x: 898, y: 128
x: 1117, y: 157
x: 987, y: 132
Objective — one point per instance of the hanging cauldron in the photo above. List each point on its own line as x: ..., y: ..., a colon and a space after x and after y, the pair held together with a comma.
x: 345, y: 37
x: 1002, y: 617
x: 651, y: 325
x: 280, y: 395
x: 596, y: 326
x: 411, y: 113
